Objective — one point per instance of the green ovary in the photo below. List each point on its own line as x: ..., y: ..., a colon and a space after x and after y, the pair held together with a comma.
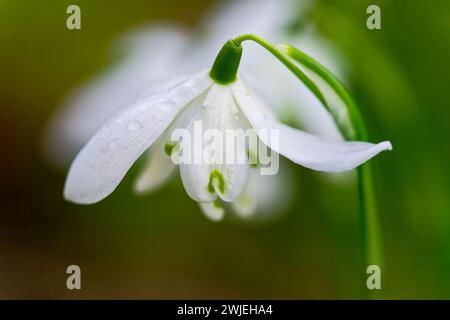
x: 218, y: 176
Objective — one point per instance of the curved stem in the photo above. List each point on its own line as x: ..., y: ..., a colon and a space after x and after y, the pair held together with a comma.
x: 285, y: 60
x: 352, y: 127
x: 370, y: 228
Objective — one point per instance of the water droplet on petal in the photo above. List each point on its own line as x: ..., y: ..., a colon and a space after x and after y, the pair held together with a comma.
x: 113, y: 143
x: 134, y: 125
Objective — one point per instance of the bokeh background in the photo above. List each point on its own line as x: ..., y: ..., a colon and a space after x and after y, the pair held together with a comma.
x: 161, y: 246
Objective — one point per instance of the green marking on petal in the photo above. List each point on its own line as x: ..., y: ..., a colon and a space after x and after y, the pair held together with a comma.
x: 216, y: 204
x: 216, y: 175
x: 169, y: 148
x: 253, y: 159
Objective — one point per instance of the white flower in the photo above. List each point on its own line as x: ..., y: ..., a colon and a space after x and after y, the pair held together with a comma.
x: 104, y: 161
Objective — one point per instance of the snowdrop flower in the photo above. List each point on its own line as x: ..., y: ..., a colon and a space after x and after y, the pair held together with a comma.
x: 221, y: 101
x: 90, y: 106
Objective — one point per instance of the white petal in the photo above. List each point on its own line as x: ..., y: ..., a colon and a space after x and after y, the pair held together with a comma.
x: 236, y: 177
x: 159, y: 168
x: 226, y: 179
x: 303, y: 148
x: 212, y: 210
x: 195, y: 178
x: 245, y: 205
x: 195, y: 175
x: 106, y: 158
x: 149, y: 59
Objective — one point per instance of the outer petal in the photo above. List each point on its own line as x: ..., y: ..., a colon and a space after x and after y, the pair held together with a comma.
x: 204, y: 180
x: 303, y: 148
x: 104, y: 161
x: 160, y: 165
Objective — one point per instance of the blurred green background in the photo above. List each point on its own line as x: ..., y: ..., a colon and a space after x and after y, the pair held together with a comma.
x: 161, y: 246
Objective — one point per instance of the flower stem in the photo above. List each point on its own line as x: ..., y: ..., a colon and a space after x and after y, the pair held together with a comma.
x: 283, y: 59
x: 370, y: 228
x: 352, y: 127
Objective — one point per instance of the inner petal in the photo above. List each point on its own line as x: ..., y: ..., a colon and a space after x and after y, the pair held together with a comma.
x: 216, y: 151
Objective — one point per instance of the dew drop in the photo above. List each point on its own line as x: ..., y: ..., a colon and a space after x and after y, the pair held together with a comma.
x: 134, y: 125
x: 113, y: 143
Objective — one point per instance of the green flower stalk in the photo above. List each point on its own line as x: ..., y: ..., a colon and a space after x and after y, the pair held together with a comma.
x: 352, y: 127
x: 338, y: 102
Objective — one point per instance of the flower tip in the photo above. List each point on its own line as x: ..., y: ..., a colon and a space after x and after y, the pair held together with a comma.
x: 75, y: 195
x: 71, y: 197
x: 68, y: 195
x: 386, y: 145
x: 212, y: 210
x: 141, y: 187
x: 138, y: 188
x: 217, y: 218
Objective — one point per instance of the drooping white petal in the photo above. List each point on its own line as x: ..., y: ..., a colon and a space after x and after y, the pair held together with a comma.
x: 212, y: 210
x: 159, y: 168
x: 106, y: 158
x: 213, y: 173
x: 303, y: 148
x: 149, y: 55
